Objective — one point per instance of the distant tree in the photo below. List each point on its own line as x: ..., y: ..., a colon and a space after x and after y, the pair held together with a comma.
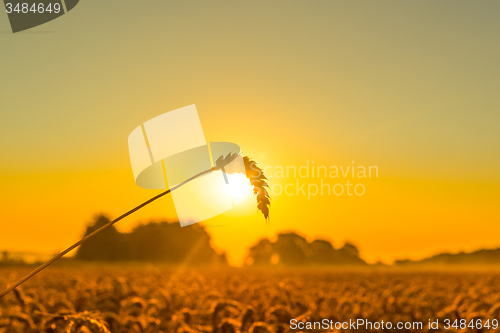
x: 350, y: 249
x: 293, y: 250
x: 109, y: 245
x: 166, y: 242
x: 322, y: 252
x: 153, y: 242
x: 348, y: 255
x: 261, y: 253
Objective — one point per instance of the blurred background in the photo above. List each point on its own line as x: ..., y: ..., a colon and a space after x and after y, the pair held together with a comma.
x: 409, y: 87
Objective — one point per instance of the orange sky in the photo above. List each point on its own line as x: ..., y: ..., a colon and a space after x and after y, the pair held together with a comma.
x: 409, y: 88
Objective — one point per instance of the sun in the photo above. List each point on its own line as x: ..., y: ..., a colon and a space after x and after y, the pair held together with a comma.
x: 239, y: 187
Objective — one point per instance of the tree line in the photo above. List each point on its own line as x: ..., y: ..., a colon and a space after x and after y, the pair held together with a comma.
x: 167, y: 243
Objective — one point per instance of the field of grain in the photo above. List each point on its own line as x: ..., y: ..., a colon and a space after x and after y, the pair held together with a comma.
x: 151, y: 300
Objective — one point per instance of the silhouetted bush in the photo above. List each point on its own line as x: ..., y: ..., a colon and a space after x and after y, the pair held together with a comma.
x: 480, y: 257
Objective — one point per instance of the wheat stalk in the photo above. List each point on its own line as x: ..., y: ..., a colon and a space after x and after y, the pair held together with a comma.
x: 260, y: 185
x: 257, y: 178
x: 220, y: 164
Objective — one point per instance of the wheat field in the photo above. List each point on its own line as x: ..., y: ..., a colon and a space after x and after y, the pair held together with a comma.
x: 153, y: 300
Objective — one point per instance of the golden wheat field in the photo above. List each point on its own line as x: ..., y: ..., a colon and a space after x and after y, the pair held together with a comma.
x: 151, y: 300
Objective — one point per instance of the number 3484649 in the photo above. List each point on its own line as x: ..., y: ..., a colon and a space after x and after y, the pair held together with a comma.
x: 38, y: 8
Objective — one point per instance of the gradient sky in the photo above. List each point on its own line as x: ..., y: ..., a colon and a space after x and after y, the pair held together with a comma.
x: 410, y: 87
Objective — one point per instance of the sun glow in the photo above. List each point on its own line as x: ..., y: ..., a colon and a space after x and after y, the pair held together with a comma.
x: 239, y: 187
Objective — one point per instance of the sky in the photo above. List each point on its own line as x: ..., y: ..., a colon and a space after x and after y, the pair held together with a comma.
x: 408, y: 87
